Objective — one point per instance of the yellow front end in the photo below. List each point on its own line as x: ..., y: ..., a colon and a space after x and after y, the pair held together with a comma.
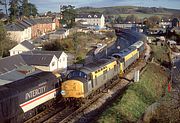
x: 72, y: 89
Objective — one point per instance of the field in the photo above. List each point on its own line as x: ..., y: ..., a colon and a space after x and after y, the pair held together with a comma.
x: 137, y: 98
x: 141, y: 16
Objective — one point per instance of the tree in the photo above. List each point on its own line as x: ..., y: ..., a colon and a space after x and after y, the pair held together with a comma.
x: 5, y: 43
x: 25, y: 8
x: 33, y: 9
x: 132, y: 19
x: 119, y: 19
x: 68, y: 13
x: 153, y: 20
x: 14, y: 9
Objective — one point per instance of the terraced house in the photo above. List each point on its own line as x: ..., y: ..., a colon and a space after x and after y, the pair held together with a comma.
x: 26, y: 29
x: 92, y: 19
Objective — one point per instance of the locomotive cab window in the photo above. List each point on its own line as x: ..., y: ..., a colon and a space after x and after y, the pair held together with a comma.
x: 77, y: 74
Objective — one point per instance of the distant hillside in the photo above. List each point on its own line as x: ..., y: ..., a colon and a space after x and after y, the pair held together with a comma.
x: 128, y: 10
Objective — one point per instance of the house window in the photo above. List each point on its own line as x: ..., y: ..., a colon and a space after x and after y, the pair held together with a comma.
x: 53, y: 63
x: 64, y: 59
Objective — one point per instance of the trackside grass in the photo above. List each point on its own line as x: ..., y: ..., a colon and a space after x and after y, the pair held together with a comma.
x: 138, y: 97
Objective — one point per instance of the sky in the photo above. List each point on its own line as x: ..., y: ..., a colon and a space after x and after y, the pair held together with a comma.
x: 53, y: 5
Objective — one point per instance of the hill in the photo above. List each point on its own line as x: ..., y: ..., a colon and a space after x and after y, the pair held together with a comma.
x: 126, y: 10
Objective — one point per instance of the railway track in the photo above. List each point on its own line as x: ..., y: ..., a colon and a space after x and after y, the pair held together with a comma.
x: 69, y: 113
x: 46, y: 114
x: 81, y: 115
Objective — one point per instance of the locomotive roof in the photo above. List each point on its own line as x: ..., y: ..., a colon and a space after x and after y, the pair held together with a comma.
x: 25, y: 84
x: 125, y: 52
x: 95, y: 65
x: 138, y: 44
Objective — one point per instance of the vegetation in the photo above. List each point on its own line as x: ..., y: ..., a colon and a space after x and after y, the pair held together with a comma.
x: 138, y: 97
x: 160, y: 53
x: 128, y: 10
x: 78, y: 43
x: 19, y: 8
x: 68, y: 13
x: 5, y: 43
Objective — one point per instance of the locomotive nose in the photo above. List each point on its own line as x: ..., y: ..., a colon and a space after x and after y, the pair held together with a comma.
x: 72, y: 88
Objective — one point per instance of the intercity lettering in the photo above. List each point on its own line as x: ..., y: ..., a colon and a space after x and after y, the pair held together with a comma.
x: 35, y: 92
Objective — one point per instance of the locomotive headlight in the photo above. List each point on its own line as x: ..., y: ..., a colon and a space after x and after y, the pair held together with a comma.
x: 63, y: 92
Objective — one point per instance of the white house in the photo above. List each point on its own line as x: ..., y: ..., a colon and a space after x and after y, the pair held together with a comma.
x: 92, y: 19
x: 59, y: 62
x: 22, y: 47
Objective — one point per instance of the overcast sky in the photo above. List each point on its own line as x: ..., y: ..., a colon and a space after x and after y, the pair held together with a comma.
x: 53, y: 5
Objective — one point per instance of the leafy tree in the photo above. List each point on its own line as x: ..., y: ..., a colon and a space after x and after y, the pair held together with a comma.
x: 14, y: 9
x: 154, y: 19
x: 68, y: 13
x: 33, y: 9
x: 119, y: 19
x: 132, y: 18
x: 25, y: 8
x: 5, y: 43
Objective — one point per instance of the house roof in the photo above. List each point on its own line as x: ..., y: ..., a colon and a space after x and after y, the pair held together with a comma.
x: 28, y: 45
x: 14, y: 27
x: 37, y: 59
x: 27, y: 22
x: 17, y: 74
x: 43, y: 20
x: 30, y: 21
x: 89, y: 15
x: 24, y: 24
x: 10, y: 63
x: 37, y: 52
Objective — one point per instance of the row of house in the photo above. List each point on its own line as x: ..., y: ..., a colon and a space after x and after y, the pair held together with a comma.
x: 30, y: 28
x: 40, y: 60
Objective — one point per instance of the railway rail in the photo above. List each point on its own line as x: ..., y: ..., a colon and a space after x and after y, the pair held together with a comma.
x: 70, y: 113
x: 80, y: 115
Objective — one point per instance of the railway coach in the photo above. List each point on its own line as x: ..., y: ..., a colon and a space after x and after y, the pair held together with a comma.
x: 22, y: 99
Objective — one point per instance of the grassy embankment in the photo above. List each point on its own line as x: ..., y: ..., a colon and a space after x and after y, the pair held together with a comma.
x: 139, y: 95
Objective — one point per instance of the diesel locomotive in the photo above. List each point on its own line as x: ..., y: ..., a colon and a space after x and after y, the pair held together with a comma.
x: 94, y: 77
x: 22, y: 99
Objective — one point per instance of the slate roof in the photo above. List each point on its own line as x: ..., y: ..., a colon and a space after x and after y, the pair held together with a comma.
x: 28, y: 45
x: 14, y: 27
x: 89, y: 15
x: 17, y: 74
x: 10, y: 63
x: 37, y: 52
x: 28, y: 22
x: 23, y: 23
x: 43, y: 20
x: 37, y: 59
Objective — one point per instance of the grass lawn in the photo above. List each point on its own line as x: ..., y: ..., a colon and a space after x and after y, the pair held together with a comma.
x: 137, y: 98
